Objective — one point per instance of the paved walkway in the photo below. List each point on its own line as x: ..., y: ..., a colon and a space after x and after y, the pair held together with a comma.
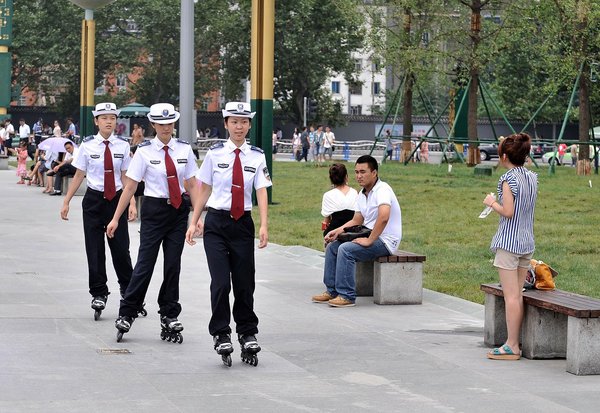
x: 426, y: 358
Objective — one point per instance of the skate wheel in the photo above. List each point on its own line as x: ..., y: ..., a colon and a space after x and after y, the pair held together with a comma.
x: 144, y: 312
x: 119, y: 336
x: 226, y: 360
x: 162, y: 335
x: 97, y: 315
x: 180, y: 338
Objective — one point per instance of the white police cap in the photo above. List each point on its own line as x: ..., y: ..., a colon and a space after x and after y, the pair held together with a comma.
x: 106, y: 108
x: 163, y: 113
x: 241, y: 109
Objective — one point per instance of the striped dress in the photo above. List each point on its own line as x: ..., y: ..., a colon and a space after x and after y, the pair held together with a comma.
x: 515, y: 234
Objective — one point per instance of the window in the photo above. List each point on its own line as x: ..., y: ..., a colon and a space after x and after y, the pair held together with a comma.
x: 356, y: 110
x: 99, y: 91
x: 335, y: 86
x: 355, y: 88
x: 358, y: 65
x: 375, y: 67
x: 376, y: 89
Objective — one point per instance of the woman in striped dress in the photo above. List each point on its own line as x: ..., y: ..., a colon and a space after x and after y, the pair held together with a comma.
x: 514, y: 242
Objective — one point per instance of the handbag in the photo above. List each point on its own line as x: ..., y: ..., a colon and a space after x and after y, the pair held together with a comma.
x: 540, y: 276
x: 350, y: 233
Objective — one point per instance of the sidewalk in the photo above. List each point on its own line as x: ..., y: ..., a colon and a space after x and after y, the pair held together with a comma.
x: 426, y: 358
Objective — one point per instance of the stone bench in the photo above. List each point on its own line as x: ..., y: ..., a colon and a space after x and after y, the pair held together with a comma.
x: 3, y: 162
x: 393, y: 279
x: 556, y: 324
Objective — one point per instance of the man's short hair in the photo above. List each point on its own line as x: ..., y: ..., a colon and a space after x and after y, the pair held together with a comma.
x: 368, y: 159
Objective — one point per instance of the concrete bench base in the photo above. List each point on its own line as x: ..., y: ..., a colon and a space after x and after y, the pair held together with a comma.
x: 80, y: 191
x: 397, y: 279
x: 583, y: 346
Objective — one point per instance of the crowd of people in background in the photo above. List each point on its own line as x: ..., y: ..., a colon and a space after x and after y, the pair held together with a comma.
x: 311, y: 144
x: 46, y: 165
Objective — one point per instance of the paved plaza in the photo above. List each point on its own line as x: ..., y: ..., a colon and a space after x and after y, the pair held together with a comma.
x: 422, y: 358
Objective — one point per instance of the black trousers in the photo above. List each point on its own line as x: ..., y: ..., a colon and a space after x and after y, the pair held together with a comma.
x: 229, y: 247
x: 65, y: 170
x: 97, y: 213
x: 161, y: 224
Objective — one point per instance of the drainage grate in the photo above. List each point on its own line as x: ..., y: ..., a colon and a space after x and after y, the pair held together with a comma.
x: 112, y: 351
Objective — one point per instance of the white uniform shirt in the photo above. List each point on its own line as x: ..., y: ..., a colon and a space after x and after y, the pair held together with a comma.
x: 90, y: 159
x: 382, y: 194
x: 148, y: 163
x: 217, y: 170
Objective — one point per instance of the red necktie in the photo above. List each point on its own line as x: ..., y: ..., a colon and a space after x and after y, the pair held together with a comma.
x: 174, y: 191
x: 237, y: 188
x: 109, y: 174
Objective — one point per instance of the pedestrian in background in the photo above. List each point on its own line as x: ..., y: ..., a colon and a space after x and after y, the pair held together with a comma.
x: 228, y: 175
x: 168, y: 168
x: 103, y: 159
x: 513, y: 242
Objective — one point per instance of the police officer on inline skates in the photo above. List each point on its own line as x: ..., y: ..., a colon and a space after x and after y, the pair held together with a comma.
x: 103, y: 158
x: 229, y: 173
x: 168, y: 167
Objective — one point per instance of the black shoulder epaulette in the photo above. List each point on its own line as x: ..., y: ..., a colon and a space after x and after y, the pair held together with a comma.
x: 256, y: 148
x: 217, y: 145
x: 88, y: 138
x: 182, y: 141
x: 122, y: 138
x: 145, y: 143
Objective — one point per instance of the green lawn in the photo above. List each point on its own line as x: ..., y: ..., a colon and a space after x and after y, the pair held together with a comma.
x: 440, y: 219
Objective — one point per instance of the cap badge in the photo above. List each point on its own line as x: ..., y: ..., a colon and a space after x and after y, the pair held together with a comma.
x: 240, y: 107
x: 165, y: 113
x: 108, y: 106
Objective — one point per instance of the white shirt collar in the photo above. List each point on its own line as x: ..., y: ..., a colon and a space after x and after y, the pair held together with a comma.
x: 231, y: 146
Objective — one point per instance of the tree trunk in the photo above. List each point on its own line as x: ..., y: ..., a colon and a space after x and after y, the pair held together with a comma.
x: 583, y: 159
x: 407, y: 118
x: 473, y: 155
x: 407, y: 98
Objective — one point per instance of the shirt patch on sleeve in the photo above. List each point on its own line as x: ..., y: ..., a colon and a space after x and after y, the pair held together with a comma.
x: 266, y: 172
x: 223, y: 165
x: 249, y: 169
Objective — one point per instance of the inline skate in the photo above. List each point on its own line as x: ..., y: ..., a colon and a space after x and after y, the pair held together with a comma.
x: 123, y: 324
x: 250, y: 348
x: 171, y: 329
x: 142, y: 311
x: 223, y: 347
x: 99, y: 304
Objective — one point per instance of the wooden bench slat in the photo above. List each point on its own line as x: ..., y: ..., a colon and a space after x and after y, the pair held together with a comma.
x: 402, y: 256
x: 563, y: 302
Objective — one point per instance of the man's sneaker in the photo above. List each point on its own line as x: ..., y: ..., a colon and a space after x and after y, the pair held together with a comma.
x: 322, y: 298
x: 340, y: 301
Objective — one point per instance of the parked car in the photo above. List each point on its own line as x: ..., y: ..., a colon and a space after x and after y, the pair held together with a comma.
x: 488, y: 151
x: 566, y: 158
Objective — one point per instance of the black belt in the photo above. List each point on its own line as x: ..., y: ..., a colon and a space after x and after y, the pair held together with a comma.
x: 101, y: 193
x: 166, y: 201
x: 226, y: 213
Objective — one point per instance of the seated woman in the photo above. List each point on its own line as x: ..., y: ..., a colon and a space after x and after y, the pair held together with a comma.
x: 337, y: 207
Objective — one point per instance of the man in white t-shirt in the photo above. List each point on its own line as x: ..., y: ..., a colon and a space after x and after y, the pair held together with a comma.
x: 376, y: 208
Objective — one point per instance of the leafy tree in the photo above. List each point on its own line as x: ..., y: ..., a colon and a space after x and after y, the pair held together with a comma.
x: 403, y: 33
x: 313, y: 40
